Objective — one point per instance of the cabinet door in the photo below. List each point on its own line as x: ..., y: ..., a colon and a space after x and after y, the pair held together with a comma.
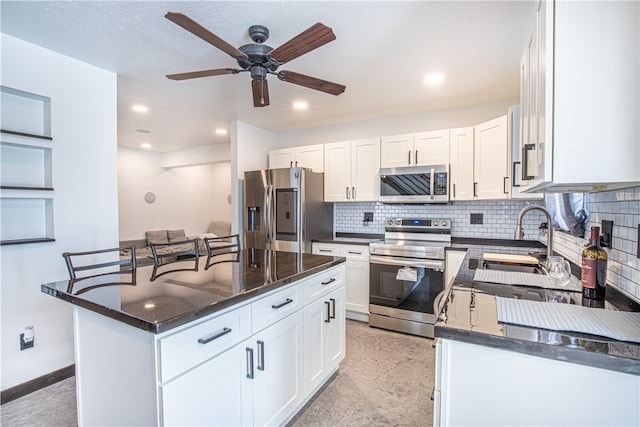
x: 316, y: 315
x: 357, y: 278
x: 310, y: 156
x: 431, y: 148
x: 337, y: 175
x: 396, y: 151
x: 334, y: 333
x: 461, y: 166
x: 491, y: 159
x: 217, y: 392
x: 365, y: 170
x: 277, y: 383
x: 284, y: 158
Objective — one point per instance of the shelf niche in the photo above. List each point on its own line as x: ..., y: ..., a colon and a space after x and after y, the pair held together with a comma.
x: 26, y: 220
x: 25, y: 167
x: 25, y: 113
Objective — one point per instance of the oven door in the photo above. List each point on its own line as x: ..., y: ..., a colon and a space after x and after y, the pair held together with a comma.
x: 405, y: 288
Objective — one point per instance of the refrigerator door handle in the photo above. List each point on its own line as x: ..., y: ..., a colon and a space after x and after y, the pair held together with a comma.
x: 266, y: 214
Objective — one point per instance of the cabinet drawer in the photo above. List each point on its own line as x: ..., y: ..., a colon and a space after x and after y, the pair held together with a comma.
x: 276, y: 306
x: 325, y: 249
x: 355, y: 252
x: 190, y: 347
x: 322, y: 283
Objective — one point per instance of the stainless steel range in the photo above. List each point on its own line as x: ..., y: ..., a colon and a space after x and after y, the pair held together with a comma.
x: 407, y: 274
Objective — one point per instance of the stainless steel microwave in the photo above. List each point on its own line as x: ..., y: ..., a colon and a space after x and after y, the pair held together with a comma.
x: 416, y: 184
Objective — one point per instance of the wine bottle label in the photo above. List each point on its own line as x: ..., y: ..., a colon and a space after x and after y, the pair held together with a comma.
x: 589, y: 267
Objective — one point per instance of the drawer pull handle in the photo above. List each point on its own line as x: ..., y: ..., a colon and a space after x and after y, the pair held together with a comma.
x: 249, y: 363
x: 282, y: 304
x: 326, y: 250
x: 355, y: 253
x: 328, y: 319
x: 261, y: 355
x: 329, y: 281
x: 212, y: 337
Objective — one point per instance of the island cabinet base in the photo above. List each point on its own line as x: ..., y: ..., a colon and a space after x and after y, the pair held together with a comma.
x: 257, y: 363
x: 478, y: 385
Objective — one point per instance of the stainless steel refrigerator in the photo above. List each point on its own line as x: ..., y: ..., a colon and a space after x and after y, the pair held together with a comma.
x: 284, y: 209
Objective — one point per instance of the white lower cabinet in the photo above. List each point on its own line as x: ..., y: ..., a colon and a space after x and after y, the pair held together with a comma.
x: 298, y: 340
x: 277, y: 370
x: 356, y: 276
x: 224, y: 393
x: 324, y: 338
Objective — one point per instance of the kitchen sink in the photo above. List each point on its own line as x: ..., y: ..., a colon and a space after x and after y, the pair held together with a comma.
x: 522, y: 268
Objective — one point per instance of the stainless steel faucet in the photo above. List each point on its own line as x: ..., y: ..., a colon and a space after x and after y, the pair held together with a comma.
x: 519, y: 234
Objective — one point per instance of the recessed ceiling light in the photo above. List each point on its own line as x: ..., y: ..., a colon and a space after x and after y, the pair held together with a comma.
x: 300, y: 105
x: 145, y: 145
x: 221, y: 131
x: 434, y: 79
x: 139, y: 108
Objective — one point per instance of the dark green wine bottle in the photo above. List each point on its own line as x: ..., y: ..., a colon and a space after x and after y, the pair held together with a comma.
x: 594, y: 267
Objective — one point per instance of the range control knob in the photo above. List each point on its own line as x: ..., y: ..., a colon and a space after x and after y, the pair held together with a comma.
x: 389, y: 222
x: 398, y: 221
x: 435, y: 223
x: 444, y: 223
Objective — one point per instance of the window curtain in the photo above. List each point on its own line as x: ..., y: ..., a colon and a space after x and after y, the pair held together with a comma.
x: 568, y: 211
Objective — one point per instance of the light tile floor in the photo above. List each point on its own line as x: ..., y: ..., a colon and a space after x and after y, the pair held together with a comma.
x: 386, y: 379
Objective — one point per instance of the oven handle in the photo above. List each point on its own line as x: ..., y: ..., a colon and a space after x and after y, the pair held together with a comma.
x: 407, y: 262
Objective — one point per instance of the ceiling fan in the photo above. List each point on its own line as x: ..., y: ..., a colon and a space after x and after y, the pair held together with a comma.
x: 260, y: 59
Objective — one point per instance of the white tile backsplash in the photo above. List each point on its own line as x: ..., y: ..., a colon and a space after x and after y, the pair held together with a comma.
x: 499, y: 222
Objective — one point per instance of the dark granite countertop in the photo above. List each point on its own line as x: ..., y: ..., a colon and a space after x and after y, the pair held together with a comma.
x: 177, y: 298
x: 351, y: 238
x: 477, y: 323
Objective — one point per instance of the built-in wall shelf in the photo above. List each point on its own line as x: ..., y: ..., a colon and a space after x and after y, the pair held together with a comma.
x: 28, y: 135
x: 26, y: 168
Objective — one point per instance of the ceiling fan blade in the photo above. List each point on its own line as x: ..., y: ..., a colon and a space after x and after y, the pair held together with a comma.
x: 311, y: 38
x: 203, y: 73
x: 198, y: 30
x: 260, y: 92
x: 311, y: 82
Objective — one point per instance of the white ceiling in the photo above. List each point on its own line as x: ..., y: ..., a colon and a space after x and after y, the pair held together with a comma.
x: 382, y: 52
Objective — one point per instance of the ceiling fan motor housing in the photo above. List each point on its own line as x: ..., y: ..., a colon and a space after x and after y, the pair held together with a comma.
x: 257, y: 55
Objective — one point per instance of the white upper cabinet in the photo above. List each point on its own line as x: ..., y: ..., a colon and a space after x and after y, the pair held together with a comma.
x: 431, y: 148
x: 396, y: 150
x: 352, y: 171
x: 491, y: 161
x: 579, y: 79
x: 308, y: 156
x: 461, y: 164
x: 418, y: 149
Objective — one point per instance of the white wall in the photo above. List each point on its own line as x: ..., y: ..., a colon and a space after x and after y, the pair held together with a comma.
x: 250, y: 147
x: 432, y: 120
x: 188, y: 197
x: 83, y: 124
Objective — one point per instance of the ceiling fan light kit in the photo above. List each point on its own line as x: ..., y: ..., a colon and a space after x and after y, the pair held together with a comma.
x: 260, y: 59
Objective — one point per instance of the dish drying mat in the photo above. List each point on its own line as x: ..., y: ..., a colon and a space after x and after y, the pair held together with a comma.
x: 524, y: 279
x: 620, y: 325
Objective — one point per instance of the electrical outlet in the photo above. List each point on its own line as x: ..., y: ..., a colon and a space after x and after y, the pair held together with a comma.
x: 368, y: 217
x: 476, y: 218
x: 606, y: 240
x: 26, y: 345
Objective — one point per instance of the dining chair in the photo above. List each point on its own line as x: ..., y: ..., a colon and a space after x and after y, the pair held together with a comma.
x: 174, y: 253
x: 222, y: 245
x: 103, y: 266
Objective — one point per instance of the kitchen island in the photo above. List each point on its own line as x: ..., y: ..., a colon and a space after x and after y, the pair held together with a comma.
x: 492, y: 373
x: 247, y: 342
